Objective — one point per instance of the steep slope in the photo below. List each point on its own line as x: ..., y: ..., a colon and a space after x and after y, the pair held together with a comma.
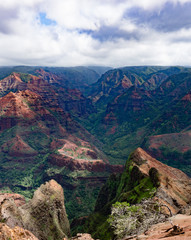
x: 67, y: 77
x: 112, y: 84
x: 121, y: 126
x: 143, y: 178
x: 48, y: 86
x: 135, y: 105
x: 175, y: 117
x: 117, y: 81
x: 128, y: 118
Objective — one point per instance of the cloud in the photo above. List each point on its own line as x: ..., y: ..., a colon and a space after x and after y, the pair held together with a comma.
x: 7, y: 15
x: 170, y: 17
x: 99, y: 32
x: 112, y: 33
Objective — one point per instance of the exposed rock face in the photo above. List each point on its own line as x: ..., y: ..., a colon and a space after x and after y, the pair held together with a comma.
x: 48, y: 76
x: 10, y: 82
x: 69, y: 99
x: 18, y: 199
x: 27, y: 109
x: 13, y: 105
x: 144, y: 178
x: 161, y: 230
x: 113, y: 83
x: 155, y: 81
x: 16, y: 147
x: 175, y: 186
x: 16, y: 233
x: 44, y: 215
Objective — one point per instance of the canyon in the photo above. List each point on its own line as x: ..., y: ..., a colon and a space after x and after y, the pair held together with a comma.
x: 79, y: 127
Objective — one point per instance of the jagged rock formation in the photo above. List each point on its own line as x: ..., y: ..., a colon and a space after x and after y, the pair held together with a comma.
x: 143, y: 174
x: 16, y: 147
x: 44, y: 215
x: 144, y: 178
x: 174, y: 187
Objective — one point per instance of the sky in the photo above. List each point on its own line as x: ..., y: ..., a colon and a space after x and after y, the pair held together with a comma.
x: 112, y: 33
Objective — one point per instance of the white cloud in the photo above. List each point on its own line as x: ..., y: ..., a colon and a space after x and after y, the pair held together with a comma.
x: 24, y: 39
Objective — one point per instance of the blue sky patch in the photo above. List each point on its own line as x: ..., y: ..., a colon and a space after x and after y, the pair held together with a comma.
x: 46, y: 21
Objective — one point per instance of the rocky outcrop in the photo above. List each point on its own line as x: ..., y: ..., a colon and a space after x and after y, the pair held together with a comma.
x: 173, y: 186
x: 113, y: 83
x: 18, y: 199
x: 11, y: 82
x: 144, y: 181
x: 44, y: 215
x: 166, y: 231
x: 48, y: 76
x: 12, y: 105
x: 16, y: 233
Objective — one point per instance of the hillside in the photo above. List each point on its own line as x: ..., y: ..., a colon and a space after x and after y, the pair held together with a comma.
x: 67, y: 77
x: 39, y: 140
x: 128, y: 116
x: 117, y: 81
x: 143, y: 185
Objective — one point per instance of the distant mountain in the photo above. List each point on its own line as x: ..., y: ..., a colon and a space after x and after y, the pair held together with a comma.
x: 100, y: 69
x: 71, y: 100
x: 67, y: 77
x: 127, y: 115
x: 117, y: 81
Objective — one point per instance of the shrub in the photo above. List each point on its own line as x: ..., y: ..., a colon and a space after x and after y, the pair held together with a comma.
x: 129, y: 220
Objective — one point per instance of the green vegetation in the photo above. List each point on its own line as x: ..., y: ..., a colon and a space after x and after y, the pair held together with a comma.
x: 126, y: 219
x: 123, y: 119
x: 127, y: 189
x: 175, y: 158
